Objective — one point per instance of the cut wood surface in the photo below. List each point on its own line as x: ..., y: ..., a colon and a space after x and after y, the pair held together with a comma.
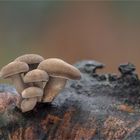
x: 97, y: 107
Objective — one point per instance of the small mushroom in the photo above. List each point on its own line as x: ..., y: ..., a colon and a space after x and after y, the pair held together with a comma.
x: 59, y: 71
x: 13, y: 70
x: 31, y: 59
x: 30, y: 100
x: 31, y: 92
x: 37, y: 77
x: 28, y: 104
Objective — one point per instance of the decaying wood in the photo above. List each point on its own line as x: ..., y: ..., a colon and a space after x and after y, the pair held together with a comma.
x: 98, y: 107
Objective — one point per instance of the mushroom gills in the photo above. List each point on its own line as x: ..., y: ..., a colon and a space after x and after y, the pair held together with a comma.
x: 18, y: 82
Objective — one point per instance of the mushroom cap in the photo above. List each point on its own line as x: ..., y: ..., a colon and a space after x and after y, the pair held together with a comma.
x: 30, y: 58
x: 58, y: 68
x: 32, y: 92
x: 28, y: 104
x: 36, y: 76
x: 14, y: 68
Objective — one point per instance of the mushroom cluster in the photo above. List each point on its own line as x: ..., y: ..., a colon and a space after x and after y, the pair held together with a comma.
x: 37, y: 79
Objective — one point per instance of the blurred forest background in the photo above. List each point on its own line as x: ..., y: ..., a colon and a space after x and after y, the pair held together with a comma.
x: 108, y: 32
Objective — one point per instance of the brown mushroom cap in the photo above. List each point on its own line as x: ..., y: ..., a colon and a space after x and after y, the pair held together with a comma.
x: 58, y: 68
x: 30, y: 58
x: 36, y: 76
x: 32, y: 92
x: 14, y: 68
x: 28, y: 104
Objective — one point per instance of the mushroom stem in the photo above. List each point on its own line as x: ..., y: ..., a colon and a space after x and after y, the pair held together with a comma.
x: 40, y: 85
x: 53, y: 87
x: 18, y: 82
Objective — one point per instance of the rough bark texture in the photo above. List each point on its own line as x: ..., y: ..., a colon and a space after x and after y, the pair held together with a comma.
x: 98, y: 107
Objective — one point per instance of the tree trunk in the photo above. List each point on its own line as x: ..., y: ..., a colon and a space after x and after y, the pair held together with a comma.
x: 98, y: 107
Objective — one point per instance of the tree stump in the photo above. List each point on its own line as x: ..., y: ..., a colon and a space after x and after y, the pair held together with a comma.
x: 98, y: 107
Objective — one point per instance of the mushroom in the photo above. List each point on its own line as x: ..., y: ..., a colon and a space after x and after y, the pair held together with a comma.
x: 31, y: 59
x: 31, y: 92
x: 28, y: 104
x: 59, y: 71
x: 37, y: 77
x: 30, y: 100
x: 13, y: 70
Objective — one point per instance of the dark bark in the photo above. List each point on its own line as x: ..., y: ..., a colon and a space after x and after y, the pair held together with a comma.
x: 98, y: 107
